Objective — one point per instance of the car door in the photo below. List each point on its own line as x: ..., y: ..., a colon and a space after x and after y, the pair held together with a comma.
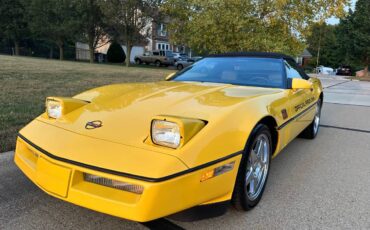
x: 146, y: 56
x: 155, y: 56
x: 300, y: 108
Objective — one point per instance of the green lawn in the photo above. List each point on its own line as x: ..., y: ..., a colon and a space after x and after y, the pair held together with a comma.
x: 25, y: 82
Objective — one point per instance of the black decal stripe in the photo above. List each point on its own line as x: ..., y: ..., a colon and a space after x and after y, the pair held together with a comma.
x: 296, y: 116
x: 123, y: 174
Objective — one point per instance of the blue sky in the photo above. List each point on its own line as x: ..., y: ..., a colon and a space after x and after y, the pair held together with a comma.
x: 334, y: 21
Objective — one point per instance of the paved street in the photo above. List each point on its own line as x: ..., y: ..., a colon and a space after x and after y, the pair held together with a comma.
x: 319, y: 184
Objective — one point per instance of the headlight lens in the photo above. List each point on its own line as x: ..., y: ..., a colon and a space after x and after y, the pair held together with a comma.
x: 54, y: 108
x: 166, y: 133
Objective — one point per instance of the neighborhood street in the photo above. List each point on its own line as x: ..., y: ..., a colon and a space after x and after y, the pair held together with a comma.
x: 319, y: 184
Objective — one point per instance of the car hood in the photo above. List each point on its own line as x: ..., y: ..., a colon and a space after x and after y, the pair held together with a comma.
x: 126, y: 110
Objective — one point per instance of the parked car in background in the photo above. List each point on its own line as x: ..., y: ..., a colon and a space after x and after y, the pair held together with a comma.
x: 324, y: 70
x: 178, y: 56
x: 196, y: 58
x: 344, y: 70
x: 182, y: 63
x: 157, y: 57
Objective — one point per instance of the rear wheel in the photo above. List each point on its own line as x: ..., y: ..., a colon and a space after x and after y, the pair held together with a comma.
x: 311, y: 131
x: 180, y: 66
x: 254, y: 169
x: 138, y: 61
x: 157, y: 63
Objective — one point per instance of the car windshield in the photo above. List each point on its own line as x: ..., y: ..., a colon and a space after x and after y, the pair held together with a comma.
x: 250, y: 71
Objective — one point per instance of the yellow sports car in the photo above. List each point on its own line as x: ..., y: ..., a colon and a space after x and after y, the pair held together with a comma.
x: 201, y: 139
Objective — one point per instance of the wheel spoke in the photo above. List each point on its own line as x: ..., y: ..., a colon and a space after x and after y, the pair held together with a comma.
x: 264, y: 153
x: 249, y: 177
x: 253, y: 157
x: 252, y: 185
x: 260, y: 147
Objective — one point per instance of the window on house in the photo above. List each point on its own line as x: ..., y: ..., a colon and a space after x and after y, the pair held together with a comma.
x: 161, y: 30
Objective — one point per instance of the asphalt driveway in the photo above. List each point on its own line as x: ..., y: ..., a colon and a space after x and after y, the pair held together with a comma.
x: 319, y: 184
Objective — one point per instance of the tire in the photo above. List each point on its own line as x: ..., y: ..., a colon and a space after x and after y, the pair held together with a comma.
x: 138, y: 61
x: 254, y: 169
x: 311, y: 131
x: 180, y: 67
x: 157, y: 63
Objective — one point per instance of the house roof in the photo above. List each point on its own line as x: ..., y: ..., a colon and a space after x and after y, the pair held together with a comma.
x: 306, y: 54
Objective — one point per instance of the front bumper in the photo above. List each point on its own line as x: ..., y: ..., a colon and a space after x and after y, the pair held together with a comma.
x: 159, y: 199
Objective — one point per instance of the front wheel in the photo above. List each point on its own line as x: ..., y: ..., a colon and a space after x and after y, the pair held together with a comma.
x: 254, y: 169
x: 157, y: 63
x: 311, y: 131
x: 180, y: 66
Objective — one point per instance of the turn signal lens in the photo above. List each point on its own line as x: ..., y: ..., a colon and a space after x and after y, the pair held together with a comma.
x: 166, y: 133
x: 53, y: 108
x: 138, y: 189
x: 217, y: 171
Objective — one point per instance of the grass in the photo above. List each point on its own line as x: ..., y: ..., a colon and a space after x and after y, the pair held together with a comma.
x: 26, y: 82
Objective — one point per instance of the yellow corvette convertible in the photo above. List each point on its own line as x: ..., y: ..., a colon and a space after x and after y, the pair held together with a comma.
x: 185, y: 147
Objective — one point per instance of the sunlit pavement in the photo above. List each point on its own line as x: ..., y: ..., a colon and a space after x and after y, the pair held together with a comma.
x: 313, y: 184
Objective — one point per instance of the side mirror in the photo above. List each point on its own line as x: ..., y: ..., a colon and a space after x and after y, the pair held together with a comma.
x: 169, y: 76
x: 298, y: 83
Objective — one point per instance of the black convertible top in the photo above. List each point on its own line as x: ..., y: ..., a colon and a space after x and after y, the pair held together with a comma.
x: 254, y: 54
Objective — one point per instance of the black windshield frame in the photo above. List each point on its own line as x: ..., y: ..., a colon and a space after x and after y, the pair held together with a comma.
x: 283, y: 85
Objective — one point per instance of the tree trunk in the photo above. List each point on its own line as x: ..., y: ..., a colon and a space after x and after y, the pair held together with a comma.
x: 366, y: 74
x: 128, y: 53
x: 16, y: 48
x: 61, y: 52
x: 51, y: 52
x: 91, y: 49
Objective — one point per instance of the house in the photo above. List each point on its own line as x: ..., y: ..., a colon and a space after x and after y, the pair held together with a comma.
x: 159, y: 39
x: 304, y: 58
x: 83, y: 51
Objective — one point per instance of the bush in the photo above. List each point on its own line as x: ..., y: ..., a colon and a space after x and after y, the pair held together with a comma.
x: 115, y: 53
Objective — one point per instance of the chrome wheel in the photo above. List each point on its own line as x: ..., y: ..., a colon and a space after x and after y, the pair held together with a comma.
x: 257, y: 166
x: 316, y: 121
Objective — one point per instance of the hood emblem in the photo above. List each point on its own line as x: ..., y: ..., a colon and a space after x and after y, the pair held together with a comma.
x: 93, y: 124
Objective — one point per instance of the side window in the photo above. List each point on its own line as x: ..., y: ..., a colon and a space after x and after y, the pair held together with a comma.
x: 155, y: 53
x: 291, y: 72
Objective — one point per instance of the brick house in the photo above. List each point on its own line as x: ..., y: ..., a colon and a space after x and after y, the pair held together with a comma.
x: 159, y: 39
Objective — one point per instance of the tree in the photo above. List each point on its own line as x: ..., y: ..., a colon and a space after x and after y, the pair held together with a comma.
x: 361, y: 33
x: 237, y: 25
x: 56, y: 21
x: 115, y: 53
x: 129, y: 21
x: 13, y: 23
x: 92, y: 23
x: 322, y: 44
